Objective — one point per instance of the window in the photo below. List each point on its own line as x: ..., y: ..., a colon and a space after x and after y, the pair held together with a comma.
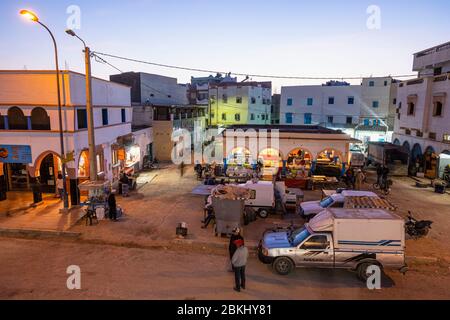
x: 394, y: 101
x: 351, y: 100
x: 432, y: 135
x: 437, y: 71
x: 263, y: 117
x: 105, y: 117
x: 446, y: 138
x: 16, y: 119
x: 124, y: 116
x: 307, y: 118
x: 411, y: 108
x: 224, y: 116
x: 289, y: 101
x: 330, y: 119
x: 224, y: 98
x: 385, y: 83
x: 288, y: 117
x: 371, y: 83
x: 253, y: 100
x: 237, y: 117
x: 437, y: 112
x: 39, y: 119
x: 82, y: 118
x: 375, y: 104
x: 239, y: 100
x: 349, y: 120
x: 331, y: 100
x: 316, y: 243
x: 366, y: 122
x: 252, y: 116
x: 310, y: 101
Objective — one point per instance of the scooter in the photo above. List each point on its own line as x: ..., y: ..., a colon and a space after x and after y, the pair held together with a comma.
x: 417, y: 229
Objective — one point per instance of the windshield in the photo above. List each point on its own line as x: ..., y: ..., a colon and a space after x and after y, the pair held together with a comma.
x: 298, y: 236
x: 325, y: 203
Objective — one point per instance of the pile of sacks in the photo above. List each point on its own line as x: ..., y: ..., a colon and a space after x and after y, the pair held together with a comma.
x: 231, y: 192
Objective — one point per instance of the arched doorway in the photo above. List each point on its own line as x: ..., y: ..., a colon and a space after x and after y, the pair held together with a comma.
x: 407, y: 146
x: 299, y: 163
x: 50, y: 167
x: 397, y: 142
x: 271, y: 160
x: 83, y: 166
x: 16, y: 119
x: 40, y: 119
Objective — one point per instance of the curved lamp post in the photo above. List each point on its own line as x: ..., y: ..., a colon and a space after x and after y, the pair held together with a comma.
x: 33, y: 17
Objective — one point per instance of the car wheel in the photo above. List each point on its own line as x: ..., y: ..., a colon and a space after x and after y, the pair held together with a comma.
x: 362, y: 271
x: 283, y: 266
x: 263, y: 213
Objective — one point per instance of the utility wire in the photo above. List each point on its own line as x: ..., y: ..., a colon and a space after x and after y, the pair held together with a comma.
x: 239, y: 74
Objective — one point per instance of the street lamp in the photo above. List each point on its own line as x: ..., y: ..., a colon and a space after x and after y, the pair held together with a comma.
x: 89, y: 111
x: 33, y: 17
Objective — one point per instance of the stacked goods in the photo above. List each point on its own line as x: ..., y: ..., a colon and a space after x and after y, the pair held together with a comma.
x: 231, y: 192
x: 368, y: 203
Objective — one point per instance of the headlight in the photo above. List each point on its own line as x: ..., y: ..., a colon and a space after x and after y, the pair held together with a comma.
x: 265, y: 251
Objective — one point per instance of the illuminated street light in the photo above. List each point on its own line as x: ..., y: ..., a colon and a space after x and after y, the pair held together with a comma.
x: 33, y: 17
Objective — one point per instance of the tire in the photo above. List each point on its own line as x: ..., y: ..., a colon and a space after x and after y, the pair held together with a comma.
x: 362, y: 271
x: 283, y: 266
x: 263, y: 213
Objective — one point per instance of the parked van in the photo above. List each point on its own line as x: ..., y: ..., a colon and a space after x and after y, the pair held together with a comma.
x: 352, y: 239
x: 262, y: 197
x: 309, y: 209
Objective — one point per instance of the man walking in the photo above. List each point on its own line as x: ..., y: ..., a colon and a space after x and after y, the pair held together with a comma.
x: 235, y: 235
x: 239, y: 261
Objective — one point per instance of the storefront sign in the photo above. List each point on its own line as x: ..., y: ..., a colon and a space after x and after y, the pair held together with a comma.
x: 15, y: 154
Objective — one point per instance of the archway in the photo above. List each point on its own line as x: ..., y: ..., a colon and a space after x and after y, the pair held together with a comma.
x: 397, y: 142
x: 299, y: 162
x: 407, y: 146
x: 16, y: 119
x: 83, y: 165
x: 48, y: 167
x: 40, y: 119
x: 271, y: 160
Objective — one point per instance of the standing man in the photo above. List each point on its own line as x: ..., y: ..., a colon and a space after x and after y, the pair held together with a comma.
x: 112, y: 207
x: 236, y: 235
x: 239, y: 261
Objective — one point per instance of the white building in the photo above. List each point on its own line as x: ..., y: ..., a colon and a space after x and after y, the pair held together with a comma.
x: 240, y: 103
x: 423, y: 115
x: 363, y: 111
x: 29, y: 117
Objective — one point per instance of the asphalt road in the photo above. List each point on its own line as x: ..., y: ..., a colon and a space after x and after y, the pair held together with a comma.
x: 36, y: 269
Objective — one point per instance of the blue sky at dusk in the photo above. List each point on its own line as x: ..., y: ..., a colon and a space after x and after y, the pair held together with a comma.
x: 304, y: 38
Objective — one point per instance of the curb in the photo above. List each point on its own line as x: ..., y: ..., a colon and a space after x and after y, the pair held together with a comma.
x: 34, y: 233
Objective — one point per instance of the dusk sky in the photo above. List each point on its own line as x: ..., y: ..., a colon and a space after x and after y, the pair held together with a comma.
x: 292, y: 38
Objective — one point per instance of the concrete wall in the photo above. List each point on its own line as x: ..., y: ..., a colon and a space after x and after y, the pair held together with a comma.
x: 162, y: 137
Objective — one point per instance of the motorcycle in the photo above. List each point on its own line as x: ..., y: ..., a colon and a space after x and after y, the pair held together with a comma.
x: 417, y: 229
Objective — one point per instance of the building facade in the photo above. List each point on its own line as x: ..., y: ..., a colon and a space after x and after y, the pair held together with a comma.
x: 234, y: 103
x: 363, y: 111
x: 29, y: 118
x: 275, y: 110
x: 161, y: 103
x: 423, y: 111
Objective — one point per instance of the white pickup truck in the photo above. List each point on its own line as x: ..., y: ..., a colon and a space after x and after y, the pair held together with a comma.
x: 351, y: 239
x: 309, y: 209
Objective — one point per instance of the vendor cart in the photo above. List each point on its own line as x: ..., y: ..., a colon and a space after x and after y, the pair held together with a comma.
x: 97, y: 201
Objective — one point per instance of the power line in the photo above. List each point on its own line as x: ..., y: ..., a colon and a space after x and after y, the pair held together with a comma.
x: 240, y: 74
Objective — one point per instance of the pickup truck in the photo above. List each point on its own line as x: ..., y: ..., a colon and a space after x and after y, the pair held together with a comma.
x: 341, y: 239
x: 309, y: 209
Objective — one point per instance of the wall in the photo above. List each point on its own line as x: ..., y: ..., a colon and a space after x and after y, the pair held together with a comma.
x: 162, y: 137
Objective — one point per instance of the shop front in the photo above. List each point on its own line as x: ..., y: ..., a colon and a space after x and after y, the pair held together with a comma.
x: 14, y: 160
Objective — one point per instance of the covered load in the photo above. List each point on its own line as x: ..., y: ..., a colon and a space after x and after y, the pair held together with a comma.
x: 362, y: 229
x: 368, y: 203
